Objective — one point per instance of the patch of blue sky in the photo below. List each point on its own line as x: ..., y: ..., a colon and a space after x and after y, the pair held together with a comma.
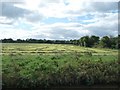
x: 23, y: 26
x: 84, y: 19
x: 115, y: 11
x: 85, y: 22
x: 66, y: 3
x: 55, y: 20
x: 79, y: 19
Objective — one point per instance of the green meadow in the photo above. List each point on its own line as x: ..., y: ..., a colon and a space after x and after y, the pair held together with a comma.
x: 27, y: 65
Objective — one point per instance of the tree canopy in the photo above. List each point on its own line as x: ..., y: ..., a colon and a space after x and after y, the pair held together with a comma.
x: 86, y: 41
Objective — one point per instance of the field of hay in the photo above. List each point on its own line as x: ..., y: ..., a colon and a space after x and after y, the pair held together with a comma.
x: 27, y: 48
x: 26, y: 65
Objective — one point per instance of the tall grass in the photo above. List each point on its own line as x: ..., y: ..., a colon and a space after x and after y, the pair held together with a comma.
x: 70, y: 69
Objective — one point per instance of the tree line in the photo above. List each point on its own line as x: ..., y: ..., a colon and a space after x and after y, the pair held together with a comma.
x: 86, y: 41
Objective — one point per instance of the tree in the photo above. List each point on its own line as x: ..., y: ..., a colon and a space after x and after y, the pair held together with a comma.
x: 19, y: 41
x: 94, y: 40
x: 7, y: 40
x: 85, y: 41
x: 105, y: 42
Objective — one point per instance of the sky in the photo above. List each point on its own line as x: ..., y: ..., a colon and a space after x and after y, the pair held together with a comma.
x: 57, y: 19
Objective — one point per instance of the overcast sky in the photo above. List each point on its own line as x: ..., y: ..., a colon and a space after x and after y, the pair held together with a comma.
x: 57, y: 19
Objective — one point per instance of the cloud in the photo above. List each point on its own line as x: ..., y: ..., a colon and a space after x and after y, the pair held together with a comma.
x: 104, y: 7
x: 82, y: 9
x: 105, y: 25
x: 69, y: 19
x: 4, y: 20
x: 44, y: 31
x: 34, y: 17
x: 11, y: 11
x: 60, y: 31
x: 11, y: 32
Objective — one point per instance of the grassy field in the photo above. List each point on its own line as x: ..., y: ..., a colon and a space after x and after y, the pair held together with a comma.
x: 26, y: 48
x: 44, y: 65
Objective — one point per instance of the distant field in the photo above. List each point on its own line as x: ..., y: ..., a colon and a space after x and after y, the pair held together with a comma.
x: 44, y: 65
x: 27, y: 48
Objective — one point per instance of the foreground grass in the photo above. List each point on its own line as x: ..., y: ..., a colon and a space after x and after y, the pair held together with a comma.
x: 46, y: 65
x: 59, y: 70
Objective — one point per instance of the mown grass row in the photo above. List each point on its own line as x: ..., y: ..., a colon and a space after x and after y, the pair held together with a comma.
x: 50, y: 48
x: 70, y: 69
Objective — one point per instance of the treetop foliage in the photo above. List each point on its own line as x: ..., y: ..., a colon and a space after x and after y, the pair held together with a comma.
x: 86, y: 41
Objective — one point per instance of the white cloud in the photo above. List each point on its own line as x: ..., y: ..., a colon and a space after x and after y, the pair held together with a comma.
x: 52, y: 31
x: 10, y: 32
x: 4, y: 20
x: 26, y: 20
x: 104, y: 25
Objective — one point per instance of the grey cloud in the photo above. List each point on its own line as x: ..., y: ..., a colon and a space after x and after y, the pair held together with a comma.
x: 13, y: 1
x: 58, y: 33
x: 34, y: 17
x: 45, y: 2
x: 11, y: 11
x: 39, y: 36
x: 93, y: 7
x: 104, y: 6
x: 6, y: 23
x: 103, y: 30
x: 67, y: 34
x: 100, y: 32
